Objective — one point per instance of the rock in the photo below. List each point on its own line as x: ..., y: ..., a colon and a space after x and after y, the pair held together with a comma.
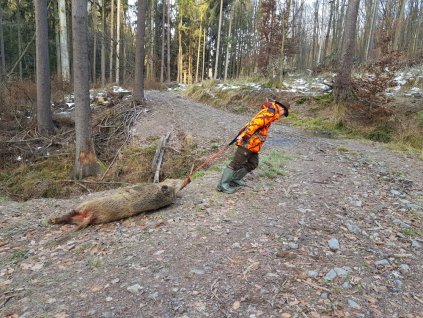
x: 396, y: 193
x: 293, y: 245
x: 341, y: 272
x: 154, y: 295
x: 412, y: 206
x: 108, y: 299
x: 354, y: 229
x: 353, y: 304
x: 397, y: 283
x: 404, y: 268
x: 331, y: 275
x: 401, y: 224
x: 333, y: 244
x: 324, y: 295
x: 382, y: 262
x: 415, y: 244
x: 236, y: 245
x: 313, y: 273
x: 272, y: 275
x: 356, y: 202
x: 197, y: 271
x: 346, y: 285
x: 134, y: 289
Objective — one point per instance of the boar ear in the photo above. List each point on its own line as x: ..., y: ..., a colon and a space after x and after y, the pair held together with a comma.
x: 165, y: 189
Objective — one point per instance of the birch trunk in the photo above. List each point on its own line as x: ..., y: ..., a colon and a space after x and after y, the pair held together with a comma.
x: 180, y: 63
x: 140, y: 54
x: 57, y: 40
x: 162, y: 54
x: 168, y: 41
x: 204, y: 54
x: 112, y: 40
x: 197, y: 68
x: 228, y: 47
x: 118, y: 13
x: 64, y: 50
x: 103, y: 44
x: 216, y: 66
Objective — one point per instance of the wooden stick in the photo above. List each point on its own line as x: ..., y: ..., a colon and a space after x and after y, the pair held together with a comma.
x: 114, y: 159
x: 160, y: 158
x: 101, y: 182
x: 316, y: 286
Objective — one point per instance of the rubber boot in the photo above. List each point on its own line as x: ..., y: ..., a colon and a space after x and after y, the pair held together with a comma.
x: 224, y: 184
x: 238, y: 175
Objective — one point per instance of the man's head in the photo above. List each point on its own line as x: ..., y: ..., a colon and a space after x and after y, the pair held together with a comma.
x: 285, y: 105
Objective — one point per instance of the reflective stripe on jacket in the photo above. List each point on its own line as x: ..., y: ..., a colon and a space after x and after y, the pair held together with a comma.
x: 255, y: 132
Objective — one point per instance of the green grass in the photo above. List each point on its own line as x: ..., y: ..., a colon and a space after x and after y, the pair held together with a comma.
x: 325, y: 126
x: 95, y: 262
x: 412, y: 232
x: 272, y: 165
x: 38, y: 179
x: 342, y: 149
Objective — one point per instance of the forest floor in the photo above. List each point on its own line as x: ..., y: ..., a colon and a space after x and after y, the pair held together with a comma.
x: 339, y: 234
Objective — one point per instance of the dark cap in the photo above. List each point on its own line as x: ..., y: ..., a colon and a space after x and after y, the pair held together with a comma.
x: 285, y: 105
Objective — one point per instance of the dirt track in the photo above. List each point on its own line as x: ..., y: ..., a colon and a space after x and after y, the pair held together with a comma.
x: 261, y: 252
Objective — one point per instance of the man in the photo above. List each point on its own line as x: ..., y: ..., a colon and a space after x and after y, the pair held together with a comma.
x: 249, y: 142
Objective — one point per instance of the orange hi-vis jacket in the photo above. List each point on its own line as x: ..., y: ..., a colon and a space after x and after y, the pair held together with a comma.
x: 255, y: 132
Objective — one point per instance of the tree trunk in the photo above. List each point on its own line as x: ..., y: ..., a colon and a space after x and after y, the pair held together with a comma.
x: 85, y: 159
x: 57, y: 40
x: 140, y: 54
x: 314, y: 45
x: 18, y: 18
x: 2, y: 56
x: 94, y: 14
x: 216, y: 66
x: 168, y: 41
x: 118, y: 12
x: 285, y: 23
x: 162, y: 54
x: 64, y: 51
x: 342, y: 86
x: 103, y: 44
x: 398, y: 25
x: 228, y: 47
x: 325, y: 48
x: 204, y: 55
x: 180, y: 61
x: 371, y: 31
x: 197, y: 68
x: 44, y: 114
x: 112, y: 43
x: 150, y: 72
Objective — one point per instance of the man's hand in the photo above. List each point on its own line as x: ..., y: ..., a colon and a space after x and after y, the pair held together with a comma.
x: 245, y: 138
